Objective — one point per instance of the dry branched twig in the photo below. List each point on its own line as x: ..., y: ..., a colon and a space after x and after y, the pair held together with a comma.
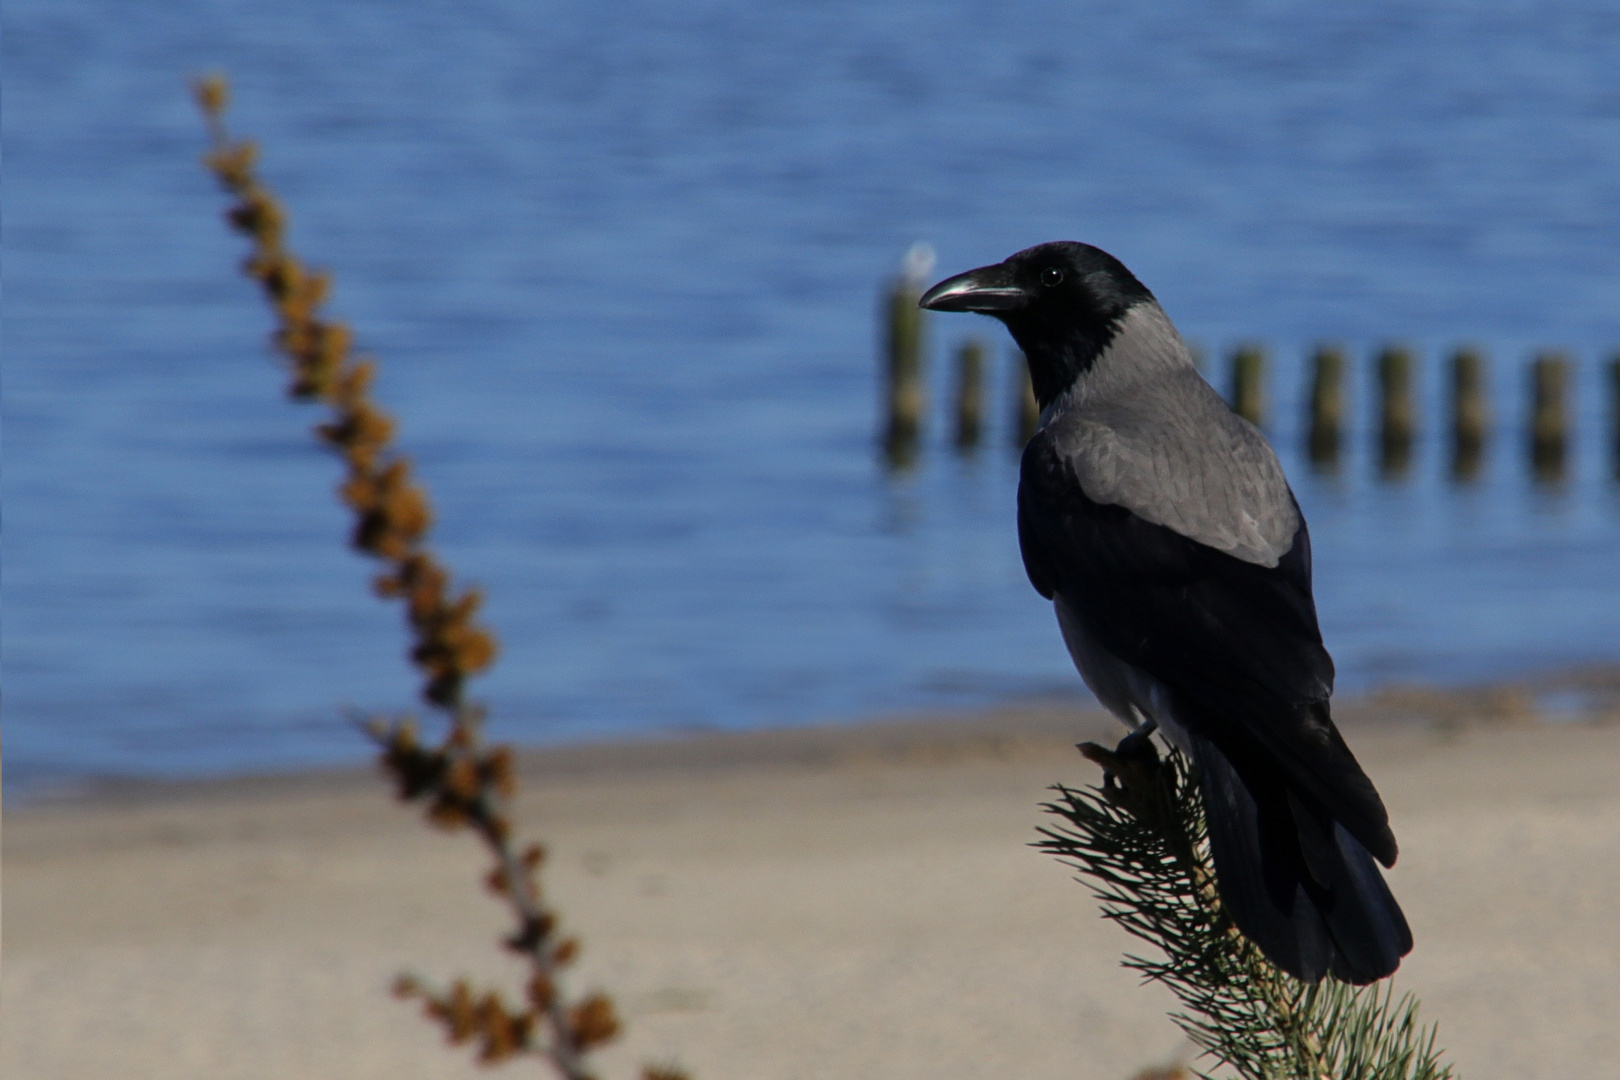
x: 462, y: 782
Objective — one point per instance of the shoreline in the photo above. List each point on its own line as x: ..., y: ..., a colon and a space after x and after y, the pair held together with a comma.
x: 1589, y: 693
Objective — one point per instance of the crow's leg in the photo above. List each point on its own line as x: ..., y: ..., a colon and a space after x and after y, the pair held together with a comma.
x: 1135, y: 753
x: 1131, y: 746
x: 1135, y: 777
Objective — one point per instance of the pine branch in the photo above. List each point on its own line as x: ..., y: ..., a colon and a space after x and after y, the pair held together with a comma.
x: 1140, y: 841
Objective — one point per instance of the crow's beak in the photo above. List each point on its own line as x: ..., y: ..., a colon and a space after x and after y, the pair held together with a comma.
x: 989, y: 290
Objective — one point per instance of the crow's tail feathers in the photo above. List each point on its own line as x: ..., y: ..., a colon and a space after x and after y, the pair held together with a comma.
x: 1294, y: 880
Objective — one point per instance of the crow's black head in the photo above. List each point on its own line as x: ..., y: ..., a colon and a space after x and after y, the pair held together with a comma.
x: 1062, y: 302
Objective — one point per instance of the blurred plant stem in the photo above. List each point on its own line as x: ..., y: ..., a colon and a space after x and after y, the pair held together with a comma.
x: 462, y: 782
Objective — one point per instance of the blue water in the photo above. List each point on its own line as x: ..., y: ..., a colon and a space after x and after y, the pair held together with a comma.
x: 620, y: 262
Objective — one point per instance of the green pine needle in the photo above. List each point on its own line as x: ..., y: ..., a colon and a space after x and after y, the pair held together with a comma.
x: 1141, y: 841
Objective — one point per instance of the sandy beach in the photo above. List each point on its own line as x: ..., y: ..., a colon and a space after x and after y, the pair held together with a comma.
x: 827, y: 902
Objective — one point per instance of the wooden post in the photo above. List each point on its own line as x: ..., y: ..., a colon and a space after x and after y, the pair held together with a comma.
x: 1470, y: 413
x: 1549, y: 417
x: 1248, y: 370
x: 1397, y: 415
x: 1327, y: 405
x: 906, y: 400
x: 1026, y: 410
x: 969, y: 394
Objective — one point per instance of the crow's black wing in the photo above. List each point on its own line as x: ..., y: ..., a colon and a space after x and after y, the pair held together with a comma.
x: 1183, y: 611
x: 1236, y: 643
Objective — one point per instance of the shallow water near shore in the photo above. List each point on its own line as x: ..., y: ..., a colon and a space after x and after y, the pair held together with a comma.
x: 620, y: 267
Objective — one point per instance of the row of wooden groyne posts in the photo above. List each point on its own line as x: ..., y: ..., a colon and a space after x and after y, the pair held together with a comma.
x: 1548, y: 438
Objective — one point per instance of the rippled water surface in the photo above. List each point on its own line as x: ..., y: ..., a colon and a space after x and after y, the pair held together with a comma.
x: 620, y: 263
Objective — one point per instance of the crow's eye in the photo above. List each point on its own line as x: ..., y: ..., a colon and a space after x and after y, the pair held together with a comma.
x: 1051, y: 276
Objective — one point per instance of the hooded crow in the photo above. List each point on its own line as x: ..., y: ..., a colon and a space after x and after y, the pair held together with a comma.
x: 1161, y: 527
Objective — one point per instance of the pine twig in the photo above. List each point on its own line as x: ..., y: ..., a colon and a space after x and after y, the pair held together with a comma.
x: 462, y: 782
x: 1140, y: 841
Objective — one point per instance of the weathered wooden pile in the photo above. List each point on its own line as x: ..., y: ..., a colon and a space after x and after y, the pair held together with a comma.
x: 1469, y: 417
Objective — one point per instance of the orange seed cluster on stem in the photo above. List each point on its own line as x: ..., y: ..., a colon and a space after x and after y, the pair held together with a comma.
x: 392, y: 513
x: 462, y: 783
